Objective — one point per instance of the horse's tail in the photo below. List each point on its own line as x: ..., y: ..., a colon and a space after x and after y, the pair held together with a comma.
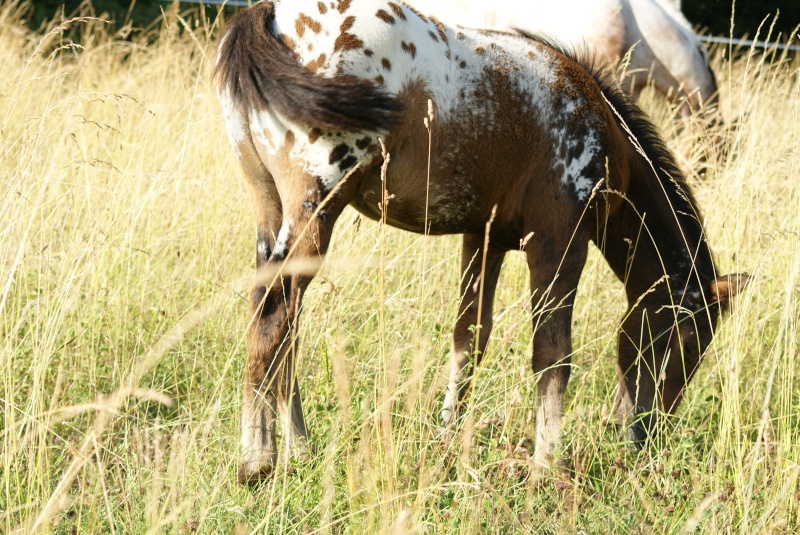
x: 258, y: 69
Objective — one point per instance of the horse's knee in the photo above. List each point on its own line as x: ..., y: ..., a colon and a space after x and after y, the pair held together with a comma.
x: 552, y: 346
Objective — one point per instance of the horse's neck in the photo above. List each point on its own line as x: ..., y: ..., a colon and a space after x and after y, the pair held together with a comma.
x: 678, y: 251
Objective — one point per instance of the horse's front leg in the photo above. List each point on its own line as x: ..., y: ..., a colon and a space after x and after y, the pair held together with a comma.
x: 292, y: 257
x: 478, y: 283
x: 554, y: 280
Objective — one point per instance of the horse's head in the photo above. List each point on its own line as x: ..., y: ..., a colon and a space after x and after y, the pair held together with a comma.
x: 683, y: 348
x: 697, y: 328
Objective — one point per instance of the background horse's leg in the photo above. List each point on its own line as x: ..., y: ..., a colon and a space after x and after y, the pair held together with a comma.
x: 554, y: 279
x: 463, y: 350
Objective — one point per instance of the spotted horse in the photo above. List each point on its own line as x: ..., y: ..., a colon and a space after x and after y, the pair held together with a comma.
x: 522, y: 134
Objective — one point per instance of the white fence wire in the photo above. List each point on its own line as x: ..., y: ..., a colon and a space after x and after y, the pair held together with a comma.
x: 748, y: 43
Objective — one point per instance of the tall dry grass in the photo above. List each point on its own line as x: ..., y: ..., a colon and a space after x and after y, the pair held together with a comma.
x: 125, y: 243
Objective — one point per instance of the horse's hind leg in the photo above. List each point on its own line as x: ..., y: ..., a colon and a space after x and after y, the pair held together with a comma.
x: 554, y: 279
x: 270, y: 382
x: 259, y: 404
x: 464, y: 354
x: 307, y: 216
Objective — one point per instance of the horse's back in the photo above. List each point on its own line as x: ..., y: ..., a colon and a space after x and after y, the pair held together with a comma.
x: 514, y: 120
x: 661, y: 42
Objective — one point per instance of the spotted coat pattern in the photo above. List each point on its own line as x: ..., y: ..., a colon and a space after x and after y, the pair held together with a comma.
x: 663, y: 46
x: 394, y: 46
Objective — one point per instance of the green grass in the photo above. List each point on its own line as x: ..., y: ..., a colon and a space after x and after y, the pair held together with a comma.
x: 125, y: 252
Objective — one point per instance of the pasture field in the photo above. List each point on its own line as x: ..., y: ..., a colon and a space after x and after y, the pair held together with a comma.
x: 126, y: 251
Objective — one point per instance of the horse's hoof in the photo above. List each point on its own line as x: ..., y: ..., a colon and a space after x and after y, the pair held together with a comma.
x: 536, y: 475
x: 548, y: 471
x: 252, y: 478
x: 304, y: 455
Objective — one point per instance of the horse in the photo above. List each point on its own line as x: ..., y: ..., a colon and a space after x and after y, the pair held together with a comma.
x: 317, y: 96
x: 663, y: 46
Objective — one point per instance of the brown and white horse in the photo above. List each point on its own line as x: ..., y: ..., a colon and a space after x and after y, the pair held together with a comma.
x: 310, y: 89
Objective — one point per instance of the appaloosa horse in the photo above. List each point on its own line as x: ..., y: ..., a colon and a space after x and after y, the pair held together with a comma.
x: 311, y: 89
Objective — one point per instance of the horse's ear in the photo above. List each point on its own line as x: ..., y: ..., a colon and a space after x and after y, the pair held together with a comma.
x: 724, y: 288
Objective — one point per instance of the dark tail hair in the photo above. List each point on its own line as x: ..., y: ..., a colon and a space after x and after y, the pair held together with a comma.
x: 262, y: 72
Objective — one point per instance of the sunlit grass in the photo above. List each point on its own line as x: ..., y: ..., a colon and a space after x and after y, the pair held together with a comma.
x: 125, y: 246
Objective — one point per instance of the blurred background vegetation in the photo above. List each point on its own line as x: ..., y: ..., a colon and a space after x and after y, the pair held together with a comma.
x: 713, y: 15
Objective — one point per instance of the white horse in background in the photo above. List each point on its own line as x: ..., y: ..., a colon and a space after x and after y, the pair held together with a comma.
x: 663, y: 46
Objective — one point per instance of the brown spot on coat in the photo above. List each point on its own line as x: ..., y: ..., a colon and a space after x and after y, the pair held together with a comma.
x: 417, y: 13
x: 347, y: 41
x: 304, y: 21
x: 386, y: 64
x: 288, y: 41
x: 379, y: 79
x: 347, y: 163
x: 338, y: 152
x: 343, y: 6
x: 433, y: 35
x: 479, y: 50
x: 463, y: 64
x: 316, y: 64
x: 410, y: 48
x: 364, y: 143
x: 368, y: 52
x: 397, y: 11
x: 288, y: 139
x: 440, y: 29
x: 314, y: 135
x: 385, y: 16
x: 347, y: 23
x: 322, y: 8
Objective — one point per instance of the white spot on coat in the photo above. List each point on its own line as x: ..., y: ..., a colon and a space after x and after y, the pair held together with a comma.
x: 281, y: 242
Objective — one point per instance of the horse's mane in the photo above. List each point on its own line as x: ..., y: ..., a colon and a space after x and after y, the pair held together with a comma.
x: 681, y: 204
